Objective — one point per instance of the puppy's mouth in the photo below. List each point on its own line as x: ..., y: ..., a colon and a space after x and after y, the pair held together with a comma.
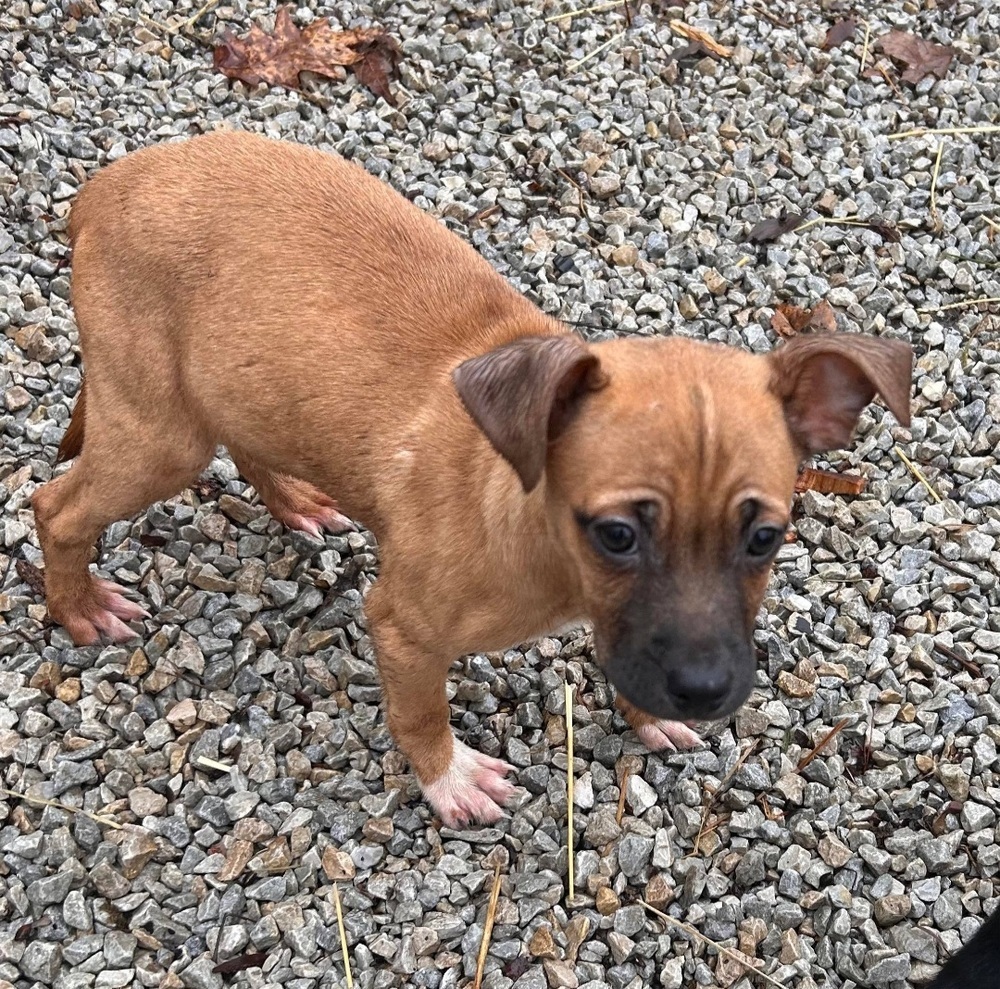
x: 681, y: 690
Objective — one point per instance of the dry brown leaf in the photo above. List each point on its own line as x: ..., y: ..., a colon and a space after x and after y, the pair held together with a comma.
x: 773, y: 227
x: 829, y: 482
x: 795, y: 317
x: 694, y: 34
x: 278, y: 58
x: 781, y: 325
x: 32, y: 576
x: 788, y: 320
x: 921, y: 58
x: 822, y: 319
x: 839, y: 33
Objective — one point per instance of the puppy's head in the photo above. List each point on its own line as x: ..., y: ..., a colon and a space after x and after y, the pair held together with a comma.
x: 667, y: 468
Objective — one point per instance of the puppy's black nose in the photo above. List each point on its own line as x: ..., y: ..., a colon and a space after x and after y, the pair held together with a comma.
x: 699, y: 691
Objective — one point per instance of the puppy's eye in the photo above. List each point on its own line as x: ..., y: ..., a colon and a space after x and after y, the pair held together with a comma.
x: 764, y: 541
x: 615, y: 537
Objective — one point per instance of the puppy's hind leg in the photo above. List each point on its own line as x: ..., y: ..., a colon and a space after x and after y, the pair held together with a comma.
x: 126, y: 464
x: 293, y: 502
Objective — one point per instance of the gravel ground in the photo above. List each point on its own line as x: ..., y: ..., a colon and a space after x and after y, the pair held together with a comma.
x: 616, y: 194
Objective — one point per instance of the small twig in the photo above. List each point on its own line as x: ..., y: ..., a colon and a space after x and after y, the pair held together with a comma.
x: 569, y: 791
x: 737, y: 956
x: 573, y: 182
x: 864, y: 50
x: 597, y: 51
x: 924, y: 131
x: 962, y: 304
x: 968, y: 665
x: 343, y: 937
x: 727, y: 779
x: 491, y: 914
x: 835, y: 730
x: 915, y: 471
x: 935, y: 218
x: 622, y: 783
x: 993, y: 224
x: 42, y: 802
x: 585, y: 10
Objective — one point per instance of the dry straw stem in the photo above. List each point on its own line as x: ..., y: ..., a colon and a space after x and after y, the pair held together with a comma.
x: 42, y: 802
x: 597, y: 51
x: 992, y: 223
x: 935, y: 216
x: 864, y: 50
x: 915, y: 471
x: 736, y: 956
x: 491, y: 915
x: 923, y: 131
x: 569, y: 791
x: 343, y: 938
x: 826, y: 739
x: 962, y: 304
x: 584, y: 10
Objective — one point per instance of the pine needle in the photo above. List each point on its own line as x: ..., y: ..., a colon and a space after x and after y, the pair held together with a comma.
x: 597, y: 51
x: 737, y: 956
x: 42, y: 802
x: 703, y: 827
x: 584, y: 10
x: 835, y: 730
x: 915, y: 471
x: 491, y: 915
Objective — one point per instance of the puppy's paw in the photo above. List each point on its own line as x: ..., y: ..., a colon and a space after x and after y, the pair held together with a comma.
x: 472, y: 790
x: 299, y: 505
x: 670, y: 735
x: 99, y: 614
x: 322, y: 518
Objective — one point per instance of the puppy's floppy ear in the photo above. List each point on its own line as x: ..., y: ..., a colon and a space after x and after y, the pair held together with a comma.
x: 826, y: 380
x: 522, y: 395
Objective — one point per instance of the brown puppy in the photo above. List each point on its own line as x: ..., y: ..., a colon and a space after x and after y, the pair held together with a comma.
x: 342, y: 344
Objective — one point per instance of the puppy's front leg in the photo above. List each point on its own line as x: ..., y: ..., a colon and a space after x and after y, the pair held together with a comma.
x: 657, y: 733
x: 462, y: 785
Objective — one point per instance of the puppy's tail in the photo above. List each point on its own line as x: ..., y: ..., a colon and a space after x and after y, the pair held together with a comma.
x: 72, y: 441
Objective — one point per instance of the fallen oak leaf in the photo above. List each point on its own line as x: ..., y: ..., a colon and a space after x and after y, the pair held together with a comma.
x: 839, y: 33
x: 380, y: 58
x: 921, y: 58
x: 280, y: 57
x: 829, y: 482
x: 774, y: 227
